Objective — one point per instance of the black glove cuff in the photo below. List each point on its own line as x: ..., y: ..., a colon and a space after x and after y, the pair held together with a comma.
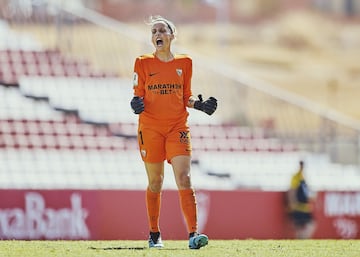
x: 198, y: 105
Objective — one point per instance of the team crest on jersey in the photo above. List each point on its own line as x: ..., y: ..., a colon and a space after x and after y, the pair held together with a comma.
x: 179, y: 72
x: 135, y: 79
x: 143, y: 152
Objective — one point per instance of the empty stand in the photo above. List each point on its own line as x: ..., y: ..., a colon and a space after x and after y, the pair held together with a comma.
x: 95, y: 100
x: 68, y: 134
x: 44, y: 148
x: 17, y: 63
x: 64, y: 124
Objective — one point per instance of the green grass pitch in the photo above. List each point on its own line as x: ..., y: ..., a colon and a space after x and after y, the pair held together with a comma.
x: 216, y: 248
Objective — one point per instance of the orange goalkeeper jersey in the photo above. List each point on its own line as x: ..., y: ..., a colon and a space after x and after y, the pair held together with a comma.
x: 165, y: 87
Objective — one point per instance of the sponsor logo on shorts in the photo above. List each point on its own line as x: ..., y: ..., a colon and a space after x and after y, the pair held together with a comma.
x: 184, y: 137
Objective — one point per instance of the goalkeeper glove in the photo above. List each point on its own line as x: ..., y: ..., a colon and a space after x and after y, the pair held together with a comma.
x: 137, y: 105
x: 209, y: 106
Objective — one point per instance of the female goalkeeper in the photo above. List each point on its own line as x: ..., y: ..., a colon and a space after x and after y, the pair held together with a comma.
x: 162, y: 91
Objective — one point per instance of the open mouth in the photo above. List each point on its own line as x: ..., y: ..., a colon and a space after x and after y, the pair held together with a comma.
x: 159, y: 42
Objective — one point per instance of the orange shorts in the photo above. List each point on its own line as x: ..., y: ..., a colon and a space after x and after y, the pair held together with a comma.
x: 159, y: 143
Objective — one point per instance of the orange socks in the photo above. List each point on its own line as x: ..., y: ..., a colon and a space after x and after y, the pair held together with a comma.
x: 189, y: 208
x: 187, y: 203
x: 153, y: 202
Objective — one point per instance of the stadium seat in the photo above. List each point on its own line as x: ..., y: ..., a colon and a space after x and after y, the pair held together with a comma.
x: 68, y: 125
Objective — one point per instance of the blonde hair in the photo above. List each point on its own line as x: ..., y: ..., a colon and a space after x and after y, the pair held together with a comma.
x: 157, y: 18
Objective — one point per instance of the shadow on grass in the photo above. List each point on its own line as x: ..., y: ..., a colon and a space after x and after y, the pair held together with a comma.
x: 118, y: 248
x: 131, y: 248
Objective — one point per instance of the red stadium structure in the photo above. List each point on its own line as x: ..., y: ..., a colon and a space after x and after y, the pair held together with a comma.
x: 120, y: 215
